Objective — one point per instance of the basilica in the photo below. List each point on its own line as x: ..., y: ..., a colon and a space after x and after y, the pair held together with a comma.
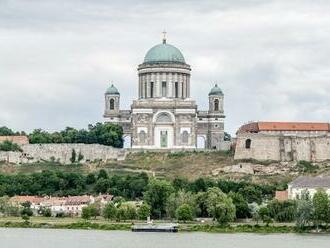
x: 164, y: 116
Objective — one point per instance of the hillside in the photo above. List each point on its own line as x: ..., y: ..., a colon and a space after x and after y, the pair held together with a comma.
x: 191, y: 165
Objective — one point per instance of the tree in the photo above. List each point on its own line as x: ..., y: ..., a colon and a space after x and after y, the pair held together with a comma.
x: 321, y: 206
x: 265, y: 215
x: 219, y: 206
x: 73, y: 156
x: 121, y: 213
x: 251, y: 194
x: 184, y: 212
x: 46, y: 212
x: 90, y: 179
x: 241, y: 205
x: 130, y: 212
x: 282, y: 211
x: 5, y: 131
x: 305, y: 210
x: 80, y: 156
x: 156, y: 196
x: 86, y: 213
x: 200, y: 203
x: 102, y: 174
x: 10, y: 146
x: 38, y: 136
x: 94, y: 210
x: 110, y: 211
x: 177, y: 199
x: 143, y: 211
x: 26, y: 212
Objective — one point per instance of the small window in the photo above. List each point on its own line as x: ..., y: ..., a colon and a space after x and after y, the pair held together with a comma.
x: 142, y: 136
x: 248, y: 144
x: 112, y: 104
x: 184, y: 137
x: 216, y: 105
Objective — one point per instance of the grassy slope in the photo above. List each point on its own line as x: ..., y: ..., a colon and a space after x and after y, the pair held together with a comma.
x: 186, y: 164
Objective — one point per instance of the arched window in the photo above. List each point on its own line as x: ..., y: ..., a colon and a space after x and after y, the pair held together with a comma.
x: 112, y: 104
x: 184, y: 137
x: 216, y: 105
x: 163, y: 117
x: 248, y: 143
x: 142, y: 137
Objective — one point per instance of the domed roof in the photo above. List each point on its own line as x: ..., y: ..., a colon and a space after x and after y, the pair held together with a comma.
x: 216, y: 91
x: 112, y: 90
x: 164, y: 53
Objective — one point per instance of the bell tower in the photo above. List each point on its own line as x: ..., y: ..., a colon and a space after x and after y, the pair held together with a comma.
x: 216, y: 100
x: 112, y: 101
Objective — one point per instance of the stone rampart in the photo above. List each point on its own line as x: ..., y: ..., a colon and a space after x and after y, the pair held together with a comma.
x: 282, y: 148
x: 62, y: 153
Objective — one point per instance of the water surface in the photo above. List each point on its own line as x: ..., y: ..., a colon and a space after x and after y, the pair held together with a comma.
x: 47, y: 238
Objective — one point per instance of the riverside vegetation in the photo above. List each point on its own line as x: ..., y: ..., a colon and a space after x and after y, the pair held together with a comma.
x: 225, y: 202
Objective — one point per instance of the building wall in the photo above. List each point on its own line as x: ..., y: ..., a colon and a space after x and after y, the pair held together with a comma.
x: 295, y: 192
x: 62, y: 153
x: 283, y: 148
x: 20, y: 140
x: 263, y: 147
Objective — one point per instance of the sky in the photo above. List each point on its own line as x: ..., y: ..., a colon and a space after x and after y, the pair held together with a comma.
x: 271, y: 58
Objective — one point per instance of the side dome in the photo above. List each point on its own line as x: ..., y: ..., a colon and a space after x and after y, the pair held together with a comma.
x: 216, y: 91
x: 164, y: 53
x: 112, y: 90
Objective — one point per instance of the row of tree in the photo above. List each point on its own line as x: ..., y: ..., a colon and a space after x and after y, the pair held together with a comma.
x: 130, y: 187
x: 100, y: 133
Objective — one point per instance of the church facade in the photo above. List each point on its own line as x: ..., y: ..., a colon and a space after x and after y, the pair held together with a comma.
x: 164, y: 116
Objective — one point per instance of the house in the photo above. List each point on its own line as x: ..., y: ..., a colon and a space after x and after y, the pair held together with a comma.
x: 74, y: 204
x: 309, y: 184
x: 34, y: 200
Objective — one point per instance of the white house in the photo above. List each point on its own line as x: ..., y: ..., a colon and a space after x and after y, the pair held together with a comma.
x: 310, y: 184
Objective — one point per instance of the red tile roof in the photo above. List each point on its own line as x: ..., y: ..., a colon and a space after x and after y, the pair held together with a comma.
x: 255, y: 127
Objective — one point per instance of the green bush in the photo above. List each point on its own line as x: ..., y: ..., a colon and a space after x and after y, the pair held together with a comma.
x: 10, y: 146
x: 306, y: 166
x: 184, y: 212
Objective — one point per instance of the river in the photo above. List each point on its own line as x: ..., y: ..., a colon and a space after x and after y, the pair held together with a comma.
x: 53, y: 238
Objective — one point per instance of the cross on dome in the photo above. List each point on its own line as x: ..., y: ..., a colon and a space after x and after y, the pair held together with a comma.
x: 164, y: 36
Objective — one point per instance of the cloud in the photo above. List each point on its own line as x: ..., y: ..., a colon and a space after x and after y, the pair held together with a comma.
x: 58, y: 57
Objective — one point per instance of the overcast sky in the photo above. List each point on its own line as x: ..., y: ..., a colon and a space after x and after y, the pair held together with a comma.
x: 271, y: 58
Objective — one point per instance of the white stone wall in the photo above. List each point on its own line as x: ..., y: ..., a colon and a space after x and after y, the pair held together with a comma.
x: 263, y: 147
x: 295, y: 192
x: 62, y: 153
x: 283, y: 148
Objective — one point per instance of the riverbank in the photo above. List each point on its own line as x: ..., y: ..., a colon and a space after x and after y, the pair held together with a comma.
x: 76, y: 223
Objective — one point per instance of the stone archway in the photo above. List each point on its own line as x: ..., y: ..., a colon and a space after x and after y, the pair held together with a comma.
x: 127, y: 141
x: 201, y: 142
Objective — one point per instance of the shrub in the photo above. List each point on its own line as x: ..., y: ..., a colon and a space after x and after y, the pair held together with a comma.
x: 184, y: 212
x: 144, y: 212
x: 10, y: 146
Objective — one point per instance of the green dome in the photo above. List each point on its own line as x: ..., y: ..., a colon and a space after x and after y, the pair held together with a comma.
x: 216, y: 91
x: 112, y: 90
x: 164, y: 53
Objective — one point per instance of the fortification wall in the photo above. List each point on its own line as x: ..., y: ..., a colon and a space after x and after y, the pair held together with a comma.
x: 263, y: 147
x: 62, y: 153
x: 283, y: 148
